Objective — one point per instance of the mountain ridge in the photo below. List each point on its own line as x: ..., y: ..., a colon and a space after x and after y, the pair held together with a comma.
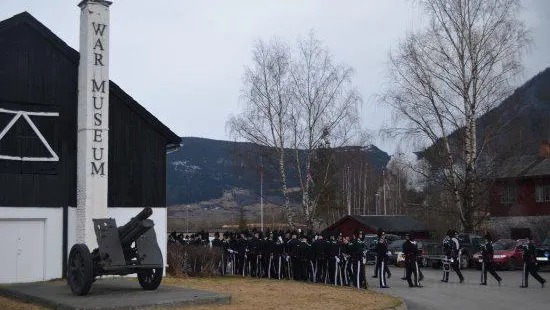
x: 203, y: 169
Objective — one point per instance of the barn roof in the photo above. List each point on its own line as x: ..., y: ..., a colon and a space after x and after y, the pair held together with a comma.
x: 172, y: 139
x: 388, y: 223
x: 394, y: 223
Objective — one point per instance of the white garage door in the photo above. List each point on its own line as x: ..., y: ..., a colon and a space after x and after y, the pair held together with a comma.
x: 22, y: 247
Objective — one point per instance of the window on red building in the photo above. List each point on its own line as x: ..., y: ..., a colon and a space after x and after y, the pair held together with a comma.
x: 542, y: 193
x: 508, y: 195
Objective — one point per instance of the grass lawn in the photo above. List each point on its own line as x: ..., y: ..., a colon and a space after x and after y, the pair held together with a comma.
x: 248, y: 293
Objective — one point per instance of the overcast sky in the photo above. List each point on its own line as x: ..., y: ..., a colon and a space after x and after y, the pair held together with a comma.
x: 184, y: 60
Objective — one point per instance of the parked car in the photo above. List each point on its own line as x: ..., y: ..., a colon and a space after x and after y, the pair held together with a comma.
x: 434, y: 253
x: 508, y: 254
x: 396, y: 249
x: 543, y: 253
x: 370, y: 242
x: 469, y: 245
x: 397, y: 257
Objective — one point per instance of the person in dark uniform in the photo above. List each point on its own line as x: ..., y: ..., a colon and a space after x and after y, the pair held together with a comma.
x: 451, y: 247
x: 378, y: 263
x: 254, y: 254
x: 318, y: 247
x: 334, y: 261
x: 357, y: 249
x: 530, y: 264
x: 306, y: 260
x: 292, y: 252
x: 410, y: 251
x: 247, y: 255
x: 218, y: 244
x: 455, y: 263
x: 232, y: 253
x: 268, y: 254
x: 447, y: 251
x: 381, y: 258
x: 487, y: 264
x: 264, y: 255
x: 345, y: 250
x: 172, y: 238
x: 279, y: 256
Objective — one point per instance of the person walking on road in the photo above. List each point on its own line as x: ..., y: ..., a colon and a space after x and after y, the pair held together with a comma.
x: 530, y: 264
x: 410, y: 250
x: 381, y: 256
x: 451, y: 246
x: 487, y: 265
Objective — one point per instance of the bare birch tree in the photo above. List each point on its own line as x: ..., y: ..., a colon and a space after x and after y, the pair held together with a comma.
x: 268, y: 106
x: 324, y: 113
x: 303, y: 101
x: 443, y: 78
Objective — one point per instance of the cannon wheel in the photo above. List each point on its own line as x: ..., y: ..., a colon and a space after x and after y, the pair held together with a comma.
x: 150, y: 279
x: 80, y: 273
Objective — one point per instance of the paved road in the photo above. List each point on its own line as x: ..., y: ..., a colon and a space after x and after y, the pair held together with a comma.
x: 469, y: 295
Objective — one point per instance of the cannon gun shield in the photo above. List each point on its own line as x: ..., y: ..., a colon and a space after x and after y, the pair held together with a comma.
x: 148, y: 250
x: 108, y: 240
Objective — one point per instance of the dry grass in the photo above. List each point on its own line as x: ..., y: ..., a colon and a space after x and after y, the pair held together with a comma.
x: 10, y: 304
x: 265, y: 294
x: 247, y: 293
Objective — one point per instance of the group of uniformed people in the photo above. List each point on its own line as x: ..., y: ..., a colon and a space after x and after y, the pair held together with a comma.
x: 198, y: 239
x: 341, y: 260
x: 451, y: 247
x: 291, y: 255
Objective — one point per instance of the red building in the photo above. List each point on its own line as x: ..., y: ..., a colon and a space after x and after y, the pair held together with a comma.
x: 520, y: 199
x: 370, y: 224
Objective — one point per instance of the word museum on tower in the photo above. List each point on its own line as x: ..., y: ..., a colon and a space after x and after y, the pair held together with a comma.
x: 73, y: 146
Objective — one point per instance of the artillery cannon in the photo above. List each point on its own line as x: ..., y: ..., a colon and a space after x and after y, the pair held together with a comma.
x: 124, y: 250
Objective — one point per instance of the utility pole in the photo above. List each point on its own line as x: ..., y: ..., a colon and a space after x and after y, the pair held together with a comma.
x: 365, y: 189
x: 384, y: 189
x: 261, y: 194
x: 187, y: 219
x: 348, y: 191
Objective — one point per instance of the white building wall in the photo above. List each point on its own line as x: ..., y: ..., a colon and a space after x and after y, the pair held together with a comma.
x: 52, y: 236
x: 71, y: 228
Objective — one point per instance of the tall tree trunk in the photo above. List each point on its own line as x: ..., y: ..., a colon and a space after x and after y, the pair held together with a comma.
x: 286, y: 207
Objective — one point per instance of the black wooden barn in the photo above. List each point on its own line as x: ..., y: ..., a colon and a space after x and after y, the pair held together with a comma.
x: 39, y: 74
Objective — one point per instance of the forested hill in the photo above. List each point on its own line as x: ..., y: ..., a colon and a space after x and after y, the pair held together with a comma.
x: 525, y: 116
x: 517, y: 125
x: 202, y: 169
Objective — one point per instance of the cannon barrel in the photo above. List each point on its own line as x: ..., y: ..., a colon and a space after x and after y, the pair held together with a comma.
x: 136, y: 231
x: 135, y: 227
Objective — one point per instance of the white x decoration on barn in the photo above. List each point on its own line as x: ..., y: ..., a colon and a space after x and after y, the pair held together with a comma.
x: 26, y: 115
